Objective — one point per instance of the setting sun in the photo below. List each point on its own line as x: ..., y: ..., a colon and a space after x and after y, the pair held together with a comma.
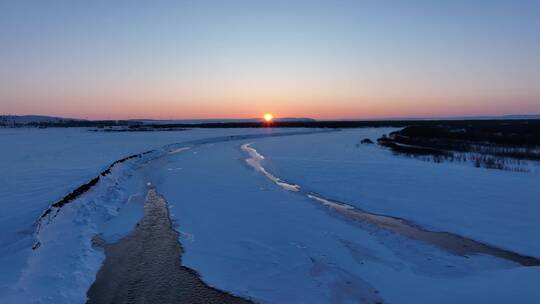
x: 268, y: 117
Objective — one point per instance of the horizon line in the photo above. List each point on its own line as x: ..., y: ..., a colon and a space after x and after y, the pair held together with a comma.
x: 436, y: 117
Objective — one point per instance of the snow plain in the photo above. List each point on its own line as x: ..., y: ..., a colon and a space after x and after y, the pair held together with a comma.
x: 40, y: 166
x: 494, y: 206
x: 245, y: 234
x: 294, y: 251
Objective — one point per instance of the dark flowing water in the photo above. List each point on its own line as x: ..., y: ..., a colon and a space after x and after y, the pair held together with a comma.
x: 146, y: 266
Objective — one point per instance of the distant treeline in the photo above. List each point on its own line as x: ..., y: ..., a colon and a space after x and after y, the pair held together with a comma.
x: 351, y: 124
x: 74, y: 124
x: 507, y: 125
x: 495, y: 144
x: 514, y: 133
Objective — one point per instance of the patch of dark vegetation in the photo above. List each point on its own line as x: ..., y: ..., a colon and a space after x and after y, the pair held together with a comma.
x: 514, y: 133
x: 416, y: 150
x: 366, y: 141
x: 498, y: 145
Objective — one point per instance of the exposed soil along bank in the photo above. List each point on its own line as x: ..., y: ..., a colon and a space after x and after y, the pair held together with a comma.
x: 146, y: 267
x: 450, y: 242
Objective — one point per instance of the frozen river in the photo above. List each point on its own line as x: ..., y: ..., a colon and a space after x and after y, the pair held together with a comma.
x: 409, y: 232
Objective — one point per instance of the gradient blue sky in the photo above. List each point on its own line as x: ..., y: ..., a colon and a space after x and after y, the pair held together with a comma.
x: 223, y: 59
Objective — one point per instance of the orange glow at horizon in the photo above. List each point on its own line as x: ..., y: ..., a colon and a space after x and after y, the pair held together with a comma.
x: 268, y: 117
x: 178, y: 105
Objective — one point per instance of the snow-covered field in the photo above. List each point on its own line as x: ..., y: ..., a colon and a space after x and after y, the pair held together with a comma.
x: 40, y: 166
x: 246, y: 234
x: 495, y: 206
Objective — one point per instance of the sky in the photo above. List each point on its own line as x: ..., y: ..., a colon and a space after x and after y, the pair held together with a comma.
x: 240, y: 59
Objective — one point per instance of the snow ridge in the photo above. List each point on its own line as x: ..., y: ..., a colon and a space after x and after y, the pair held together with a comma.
x: 50, y: 213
